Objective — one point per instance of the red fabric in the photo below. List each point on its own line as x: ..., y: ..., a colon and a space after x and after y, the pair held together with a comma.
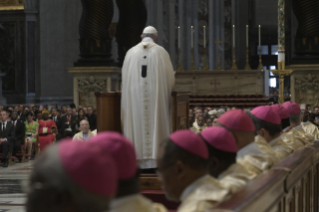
x: 267, y: 114
x: 220, y: 138
x: 48, y: 124
x: 48, y: 138
x: 190, y: 142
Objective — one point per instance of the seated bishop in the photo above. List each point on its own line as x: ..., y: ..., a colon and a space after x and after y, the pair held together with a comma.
x: 284, y: 115
x: 300, y: 136
x: 128, y: 196
x: 255, y: 154
x: 72, y: 176
x: 182, y: 169
x: 268, y: 125
x: 309, y: 127
x: 222, y: 164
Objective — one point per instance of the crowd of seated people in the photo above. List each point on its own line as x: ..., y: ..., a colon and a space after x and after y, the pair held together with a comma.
x: 201, y: 118
x: 198, y: 168
x: 32, y: 128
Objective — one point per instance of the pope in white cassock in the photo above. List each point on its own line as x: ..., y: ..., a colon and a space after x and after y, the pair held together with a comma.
x: 147, y: 83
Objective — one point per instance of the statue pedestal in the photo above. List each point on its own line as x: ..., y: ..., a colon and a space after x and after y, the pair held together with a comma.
x: 304, y: 84
x: 89, y: 80
x: 3, y: 101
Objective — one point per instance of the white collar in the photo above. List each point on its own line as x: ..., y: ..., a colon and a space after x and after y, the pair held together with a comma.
x: 189, y: 189
x: 147, y: 40
x: 118, y: 202
x: 306, y: 122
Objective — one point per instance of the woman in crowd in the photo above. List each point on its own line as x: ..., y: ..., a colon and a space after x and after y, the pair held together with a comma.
x: 31, y: 132
x: 47, y: 130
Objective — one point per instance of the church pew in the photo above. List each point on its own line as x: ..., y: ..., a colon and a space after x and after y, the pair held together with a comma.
x: 296, y: 191
x: 265, y: 193
x: 299, y: 181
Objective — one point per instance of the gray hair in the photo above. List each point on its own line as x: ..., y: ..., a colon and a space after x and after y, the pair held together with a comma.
x: 220, y: 112
x: 153, y: 36
x: 295, y: 119
x: 49, y: 176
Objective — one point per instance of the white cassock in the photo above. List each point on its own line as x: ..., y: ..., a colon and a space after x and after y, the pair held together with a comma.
x: 147, y: 83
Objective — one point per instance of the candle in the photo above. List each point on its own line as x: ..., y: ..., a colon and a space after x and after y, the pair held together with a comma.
x: 192, y: 37
x: 179, y: 37
x: 233, y: 36
x: 259, y: 35
x: 204, y: 36
x: 247, y: 38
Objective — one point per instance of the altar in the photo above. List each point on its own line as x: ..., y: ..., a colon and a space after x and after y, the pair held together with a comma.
x: 230, y: 82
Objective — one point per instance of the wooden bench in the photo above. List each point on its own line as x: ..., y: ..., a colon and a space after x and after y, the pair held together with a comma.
x: 290, y: 186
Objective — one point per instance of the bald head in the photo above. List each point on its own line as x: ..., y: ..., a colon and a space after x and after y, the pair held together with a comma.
x: 84, y: 126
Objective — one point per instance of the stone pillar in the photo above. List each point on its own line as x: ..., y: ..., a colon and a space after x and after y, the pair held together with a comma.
x: 133, y: 17
x: 307, y: 36
x: 95, y: 41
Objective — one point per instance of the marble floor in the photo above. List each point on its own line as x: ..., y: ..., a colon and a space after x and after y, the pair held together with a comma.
x: 13, y: 181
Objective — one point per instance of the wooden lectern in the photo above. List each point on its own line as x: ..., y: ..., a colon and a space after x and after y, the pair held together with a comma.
x: 180, y: 110
x: 108, y: 107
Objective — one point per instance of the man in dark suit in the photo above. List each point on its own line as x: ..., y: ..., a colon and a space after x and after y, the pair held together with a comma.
x: 91, y: 118
x: 6, y: 137
x: 57, y: 119
x: 19, y: 128
x: 68, y: 121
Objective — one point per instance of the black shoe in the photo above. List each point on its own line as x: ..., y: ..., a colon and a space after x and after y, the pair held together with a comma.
x: 5, y: 163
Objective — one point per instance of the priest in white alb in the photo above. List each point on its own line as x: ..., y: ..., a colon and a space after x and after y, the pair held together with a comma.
x: 147, y: 83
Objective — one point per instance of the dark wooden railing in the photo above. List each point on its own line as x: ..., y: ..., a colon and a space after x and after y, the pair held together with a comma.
x: 290, y: 186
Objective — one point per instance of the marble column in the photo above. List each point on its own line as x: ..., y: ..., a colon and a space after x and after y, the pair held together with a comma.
x: 95, y: 41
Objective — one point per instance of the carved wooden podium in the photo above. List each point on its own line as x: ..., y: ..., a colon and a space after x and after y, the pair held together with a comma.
x: 109, y: 111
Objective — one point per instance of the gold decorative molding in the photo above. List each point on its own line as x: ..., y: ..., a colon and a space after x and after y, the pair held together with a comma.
x: 11, y: 4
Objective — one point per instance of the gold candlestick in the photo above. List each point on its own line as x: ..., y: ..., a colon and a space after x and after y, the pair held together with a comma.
x: 192, y: 68
x: 205, y: 67
x: 247, y: 66
x: 179, y: 67
x: 260, y: 66
x: 234, y: 60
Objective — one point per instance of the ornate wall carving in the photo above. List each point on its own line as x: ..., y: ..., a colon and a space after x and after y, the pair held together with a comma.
x: 87, y: 88
x: 307, y: 89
